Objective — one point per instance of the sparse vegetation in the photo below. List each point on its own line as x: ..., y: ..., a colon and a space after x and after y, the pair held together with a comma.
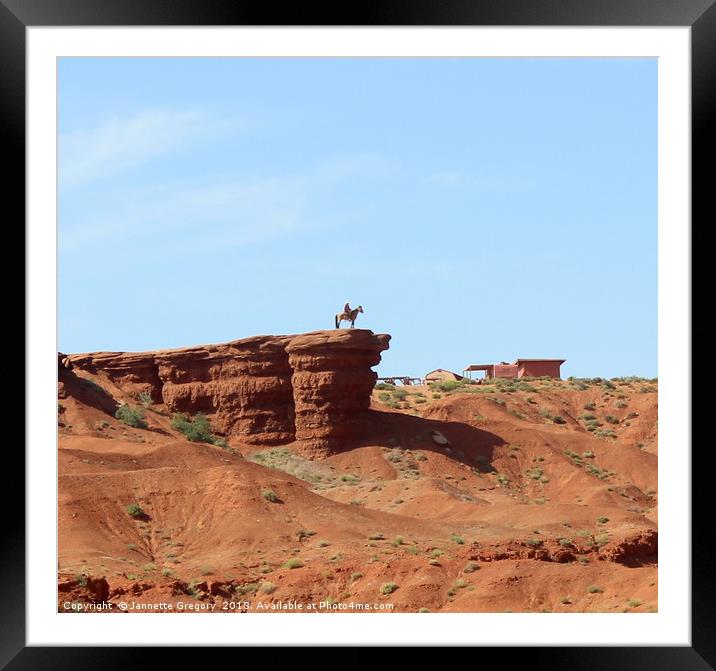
x: 270, y: 495
x: 130, y: 416
x: 594, y: 589
x: 135, y: 510
x: 388, y: 588
x: 293, y: 563
x: 268, y: 587
x: 196, y: 429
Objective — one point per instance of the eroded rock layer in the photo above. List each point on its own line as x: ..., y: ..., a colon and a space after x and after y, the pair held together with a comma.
x: 265, y: 390
x: 332, y: 381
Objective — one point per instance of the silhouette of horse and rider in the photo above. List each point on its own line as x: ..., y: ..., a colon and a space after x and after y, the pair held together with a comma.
x: 348, y: 315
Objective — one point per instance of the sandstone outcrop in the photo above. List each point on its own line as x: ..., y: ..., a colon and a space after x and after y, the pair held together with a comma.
x: 332, y: 381
x: 265, y: 390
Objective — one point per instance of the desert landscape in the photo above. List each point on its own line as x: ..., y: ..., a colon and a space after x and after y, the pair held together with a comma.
x: 272, y: 474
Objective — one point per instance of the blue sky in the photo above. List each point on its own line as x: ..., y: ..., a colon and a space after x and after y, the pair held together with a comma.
x: 479, y: 209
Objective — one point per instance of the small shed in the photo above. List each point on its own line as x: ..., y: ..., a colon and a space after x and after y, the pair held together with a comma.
x: 539, y: 367
x: 441, y: 375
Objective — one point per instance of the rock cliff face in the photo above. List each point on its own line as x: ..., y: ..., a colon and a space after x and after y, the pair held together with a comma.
x: 265, y: 390
x: 332, y: 381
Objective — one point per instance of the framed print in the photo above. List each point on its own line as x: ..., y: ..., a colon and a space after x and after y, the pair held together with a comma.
x: 377, y: 318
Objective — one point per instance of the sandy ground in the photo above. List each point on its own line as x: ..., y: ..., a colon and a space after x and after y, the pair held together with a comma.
x: 522, y: 509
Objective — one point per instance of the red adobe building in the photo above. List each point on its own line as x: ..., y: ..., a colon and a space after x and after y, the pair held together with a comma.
x: 520, y: 368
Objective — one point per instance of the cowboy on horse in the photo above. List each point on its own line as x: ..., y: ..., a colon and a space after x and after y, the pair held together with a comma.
x: 348, y: 315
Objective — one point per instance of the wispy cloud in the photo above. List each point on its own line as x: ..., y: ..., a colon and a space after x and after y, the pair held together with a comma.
x: 121, y: 143
x: 223, y: 214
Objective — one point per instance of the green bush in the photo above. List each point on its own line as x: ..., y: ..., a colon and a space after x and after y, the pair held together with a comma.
x: 388, y: 587
x: 558, y: 419
x: 270, y: 495
x: 135, y: 510
x: 293, y: 563
x: 145, y: 398
x: 133, y: 417
x: 611, y: 419
x: 196, y: 429
x: 447, y: 385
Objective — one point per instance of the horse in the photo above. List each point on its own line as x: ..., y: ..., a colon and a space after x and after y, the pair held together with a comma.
x: 348, y: 317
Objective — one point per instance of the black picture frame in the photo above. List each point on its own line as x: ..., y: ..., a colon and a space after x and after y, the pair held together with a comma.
x: 700, y: 15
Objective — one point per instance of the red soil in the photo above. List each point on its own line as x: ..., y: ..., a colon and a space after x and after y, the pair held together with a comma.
x: 516, y: 512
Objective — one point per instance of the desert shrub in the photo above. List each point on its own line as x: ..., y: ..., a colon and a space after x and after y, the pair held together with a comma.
x: 293, y: 563
x: 145, y: 399
x: 376, y: 537
x: 456, y: 538
x: 565, y: 542
x: 400, y: 394
x: 135, y: 510
x: 196, y: 429
x: 356, y: 576
x: 423, y: 610
x: 611, y: 419
x: 558, y: 419
x: 349, y: 478
x: 588, y: 417
x: 133, y: 417
x: 535, y: 473
x: 385, y: 385
x: 602, y: 520
x: 270, y: 495
x: 388, y: 587
x: 248, y: 588
x: 634, y: 603
x: 471, y: 567
x: 448, y: 385
x: 398, y: 541
x: 384, y: 397
x: 594, y: 589
x: 589, y: 406
x: 268, y: 587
